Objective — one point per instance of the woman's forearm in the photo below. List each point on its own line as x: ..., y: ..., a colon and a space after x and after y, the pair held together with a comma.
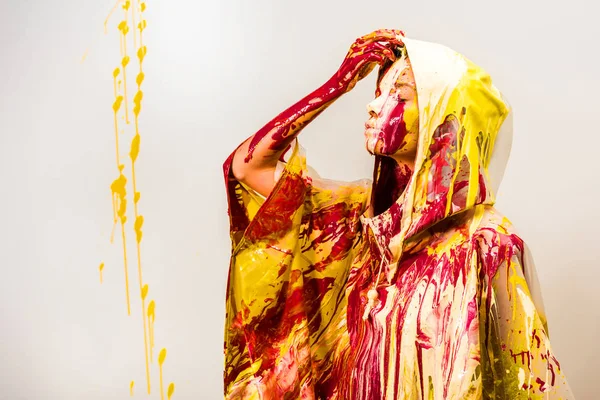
x: 255, y: 160
x: 264, y: 148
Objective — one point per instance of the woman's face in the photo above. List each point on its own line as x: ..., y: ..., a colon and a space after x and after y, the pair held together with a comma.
x: 393, y: 128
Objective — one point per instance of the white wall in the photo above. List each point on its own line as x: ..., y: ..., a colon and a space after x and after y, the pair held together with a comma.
x: 215, y: 72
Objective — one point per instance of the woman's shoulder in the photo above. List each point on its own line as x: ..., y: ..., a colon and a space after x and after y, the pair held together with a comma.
x: 483, y: 228
x: 496, y: 240
x: 491, y: 224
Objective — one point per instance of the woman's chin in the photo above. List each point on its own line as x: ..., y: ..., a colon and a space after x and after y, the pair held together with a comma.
x: 371, y: 145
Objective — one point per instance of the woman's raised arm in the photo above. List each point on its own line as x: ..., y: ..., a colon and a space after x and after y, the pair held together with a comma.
x: 255, y: 160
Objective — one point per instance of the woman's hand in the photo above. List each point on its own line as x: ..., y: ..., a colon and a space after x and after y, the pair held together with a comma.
x: 365, y: 53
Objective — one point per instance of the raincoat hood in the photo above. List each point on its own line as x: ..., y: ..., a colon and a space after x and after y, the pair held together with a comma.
x: 465, y: 134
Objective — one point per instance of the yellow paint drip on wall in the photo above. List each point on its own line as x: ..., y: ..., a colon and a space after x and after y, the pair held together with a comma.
x: 161, y: 359
x: 170, y: 390
x: 132, y: 17
x: 101, y: 268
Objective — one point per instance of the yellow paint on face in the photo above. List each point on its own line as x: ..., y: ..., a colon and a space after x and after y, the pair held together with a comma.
x: 411, y: 120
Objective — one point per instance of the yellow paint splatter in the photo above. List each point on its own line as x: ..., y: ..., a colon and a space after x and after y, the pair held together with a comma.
x: 141, y: 53
x: 124, y: 28
x: 132, y: 17
x: 139, y: 221
x: 116, y: 73
x: 101, y: 268
x: 170, y: 390
x: 110, y: 13
x: 161, y: 359
x: 118, y: 188
x: 131, y: 388
x: 151, y: 317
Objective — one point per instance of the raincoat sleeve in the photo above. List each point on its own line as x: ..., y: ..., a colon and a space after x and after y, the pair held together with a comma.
x: 515, y: 340
x: 290, y: 258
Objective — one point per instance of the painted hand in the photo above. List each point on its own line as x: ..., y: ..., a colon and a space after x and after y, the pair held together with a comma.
x: 367, y: 52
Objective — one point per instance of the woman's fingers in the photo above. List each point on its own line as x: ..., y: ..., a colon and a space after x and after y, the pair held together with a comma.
x: 391, y: 35
x: 370, y: 50
x: 384, y: 48
x: 366, y: 70
x: 383, y: 40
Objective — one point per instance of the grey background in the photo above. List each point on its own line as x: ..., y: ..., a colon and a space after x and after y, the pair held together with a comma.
x: 215, y: 73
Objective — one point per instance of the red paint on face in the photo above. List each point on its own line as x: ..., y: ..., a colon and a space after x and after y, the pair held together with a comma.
x: 394, y: 130
x: 394, y: 114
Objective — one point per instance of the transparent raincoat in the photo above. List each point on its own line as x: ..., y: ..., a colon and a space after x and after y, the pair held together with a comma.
x: 458, y: 314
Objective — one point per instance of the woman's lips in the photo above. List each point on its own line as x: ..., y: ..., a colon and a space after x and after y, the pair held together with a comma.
x: 369, y: 131
x: 372, y: 134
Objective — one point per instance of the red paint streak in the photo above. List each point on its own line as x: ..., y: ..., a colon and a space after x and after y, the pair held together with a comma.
x: 542, y: 384
x: 274, y: 218
x: 551, y: 368
x: 534, y: 336
x: 525, y: 355
x: 394, y: 129
x: 333, y: 224
x: 549, y: 355
x: 414, y: 269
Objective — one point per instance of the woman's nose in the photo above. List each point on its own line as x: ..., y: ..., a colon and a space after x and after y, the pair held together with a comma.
x: 374, y: 107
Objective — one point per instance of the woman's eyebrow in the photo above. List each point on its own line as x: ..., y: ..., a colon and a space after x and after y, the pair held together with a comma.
x: 399, y: 85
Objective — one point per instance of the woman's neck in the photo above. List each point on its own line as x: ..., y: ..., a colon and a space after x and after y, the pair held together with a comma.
x: 406, y: 159
x: 391, y: 177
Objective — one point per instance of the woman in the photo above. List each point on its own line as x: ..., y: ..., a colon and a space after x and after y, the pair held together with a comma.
x: 410, y: 287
